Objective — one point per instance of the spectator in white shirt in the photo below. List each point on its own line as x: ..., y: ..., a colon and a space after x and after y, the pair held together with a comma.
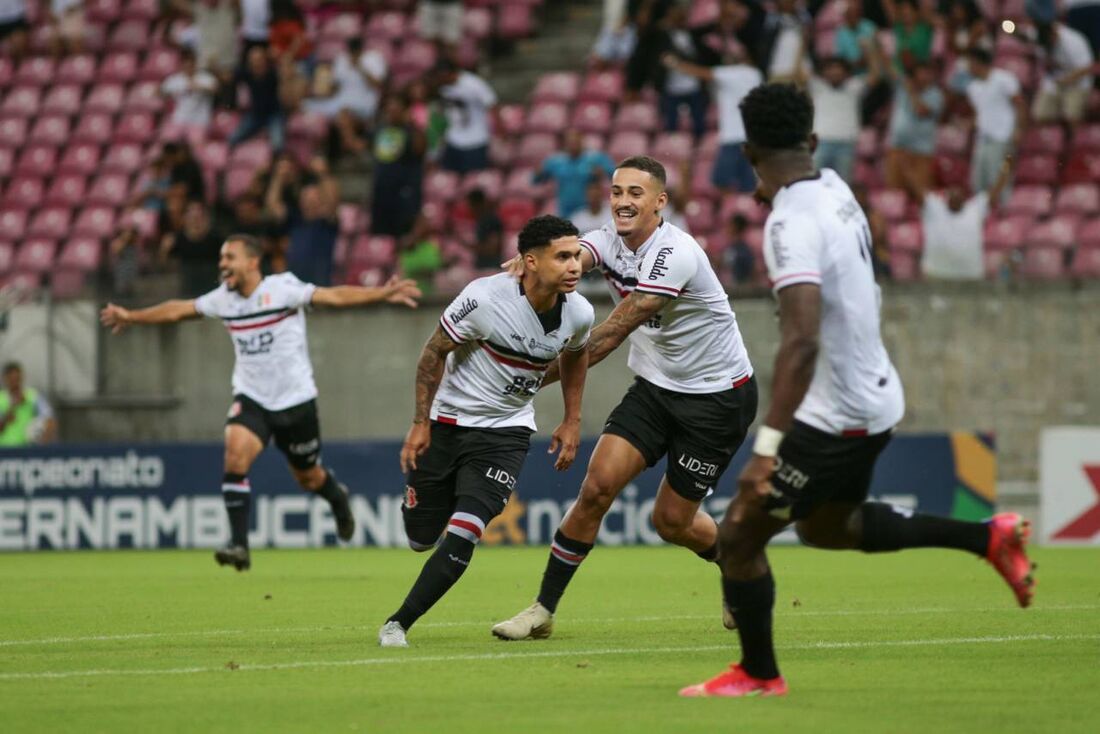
x: 359, y: 76
x: 468, y: 103
x: 440, y: 20
x: 193, y: 91
x: 1067, y: 81
x: 788, y: 28
x: 1000, y: 115
x: 597, y: 206
x: 838, y: 98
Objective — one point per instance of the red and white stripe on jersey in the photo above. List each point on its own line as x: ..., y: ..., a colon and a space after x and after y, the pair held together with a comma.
x: 236, y: 486
x: 466, y: 526
x: 450, y: 330
x: 660, y: 290
x: 592, y: 249
x: 257, y: 320
x: 796, y: 278
x: 567, y: 557
x: 511, y: 359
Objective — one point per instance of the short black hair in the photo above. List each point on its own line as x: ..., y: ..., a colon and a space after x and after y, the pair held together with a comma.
x: 652, y: 166
x: 251, y: 244
x: 476, y: 197
x: 777, y: 116
x: 740, y: 222
x: 981, y: 55
x: 10, y: 367
x: 541, y: 231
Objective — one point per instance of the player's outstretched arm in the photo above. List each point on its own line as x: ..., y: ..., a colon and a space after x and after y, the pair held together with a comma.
x: 573, y: 365
x: 799, y: 325
x: 396, y: 290
x: 117, y: 318
x: 429, y: 373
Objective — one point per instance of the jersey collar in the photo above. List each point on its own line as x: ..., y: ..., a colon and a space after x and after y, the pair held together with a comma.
x: 782, y: 192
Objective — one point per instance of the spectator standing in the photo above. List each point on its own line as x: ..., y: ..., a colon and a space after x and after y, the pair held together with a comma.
x: 838, y: 97
x: 918, y: 104
x: 571, y: 170
x: 738, y: 259
x: 853, y: 36
x: 787, y: 30
x: 676, y: 88
x: 731, y: 82
x: 1069, y: 69
x: 596, y: 211
x: 420, y: 257
x: 311, y: 222
x: 15, y: 29
x: 214, y: 36
x: 913, y: 33
x: 25, y: 415
x: 359, y: 76
x: 254, y: 25
x: 398, y: 170
x: 67, y: 26
x: 488, y: 231
x: 618, y: 36
x: 184, y: 172
x: 468, y: 102
x: 1000, y: 114
x: 266, y: 110
x: 440, y: 21
x: 196, y: 247
x: 192, y: 90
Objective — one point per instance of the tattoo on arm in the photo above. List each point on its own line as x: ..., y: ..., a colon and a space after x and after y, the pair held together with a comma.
x: 429, y: 372
x: 632, y: 312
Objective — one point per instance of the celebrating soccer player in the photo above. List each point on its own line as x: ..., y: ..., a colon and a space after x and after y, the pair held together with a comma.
x: 836, y: 399
x: 473, y: 418
x: 273, y: 391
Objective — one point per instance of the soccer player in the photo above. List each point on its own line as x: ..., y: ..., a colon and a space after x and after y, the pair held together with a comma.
x: 473, y: 419
x: 693, y: 396
x: 273, y: 391
x: 836, y: 399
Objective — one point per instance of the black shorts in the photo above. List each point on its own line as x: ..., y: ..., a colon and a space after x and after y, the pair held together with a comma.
x: 699, y: 433
x: 296, y: 430
x: 814, y: 467
x: 479, y: 463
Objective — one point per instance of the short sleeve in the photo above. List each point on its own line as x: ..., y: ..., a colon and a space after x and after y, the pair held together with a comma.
x: 1010, y: 83
x: 980, y: 202
x: 792, y: 251
x: 580, y: 337
x: 482, y: 92
x: 213, y: 304
x: 598, y: 244
x: 724, y: 76
x: 666, y: 270
x: 934, y: 207
x: 295, y: 292
x: 467, y: 318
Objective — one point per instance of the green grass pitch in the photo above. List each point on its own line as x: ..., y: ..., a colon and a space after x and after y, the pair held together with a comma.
x: 923, y: 641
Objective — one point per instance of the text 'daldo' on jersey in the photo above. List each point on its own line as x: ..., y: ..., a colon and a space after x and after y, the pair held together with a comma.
x: 491, y: 379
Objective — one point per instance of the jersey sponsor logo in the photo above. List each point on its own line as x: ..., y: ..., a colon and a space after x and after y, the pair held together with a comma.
x: 516, y: 337
x: 248, y: 346
x: 501, y: 476
x: 697, y: 466
x: 660, y: 267
x: 410, y: 497
x: 465, y: 309
x: 778, y: 248
x: 789, y: 474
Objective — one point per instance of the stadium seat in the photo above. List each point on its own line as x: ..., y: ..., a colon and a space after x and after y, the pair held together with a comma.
x: 534, y: 148
x: 868, y: 175
x: 510, y: 119
x: 672, y: 149
x: 904, y: 266
x: 13, y: 131
x: 36, y: 255
x: 21, y: 102
x: 547, y: 117
x: 106, y: 11
x: 140, y: 10
x: 52, y: 131
x: 745, y: 205
x: 108, y: 189
x: 416, y: 56
x: 602, y: 86
x: 254, y: 153
x: 135, y: 127
x: 24, y: 192
x: 13, y: 224
x: 50, y: 223
x: 1087, y: 138
x: 118, y: 68
x: 625, y: 144
x: 105, y: 98
x: 351, y: 219
x: 35, y: 72
x: 67, y: 191
x: 122, y: 158
x: 1036, y: 201
x: 440, y: 185
x: 213, y: 155
x: 502, y: 152
x: 477, y: 23
x: 1021, y: 67
x: 341, y: 27
x: 129, y: 35
x: 1088, y: 235
x: 373, y: 250
x: 868, y: 144
x: 702, y: 187
x: 1082, y: 168
x: 95, y: 221
x: 7, y: 71
x: 1059, y: 231
x: 703, y: 12
x: 1081, y: 198
x: 1044, y: 140
x: 79, y: 158
x: 905, y: 237
x: 490, y: 181
x: 63, y: 99
x: 307, y: 125
x: 891, y: 203
x: 7, y: 256
x: 520, y: 183
x: 700, y: 215
x: 636, y: 117
x: 37, y: 160
x: 388, y: 24
x: 7, y: 162
x: 592, y: 117
x: 159, y: 64
x: 81, y: 253
x: 952, y: 170
x: 1044, y: 263
x: 514, y: 212
x: 92, y: 128
x: 144, y: 97
x: 238, y: 180
x: 952, y: 140
x: 1006, y: 233
x: 514, y: 21
x: 1086, y: 263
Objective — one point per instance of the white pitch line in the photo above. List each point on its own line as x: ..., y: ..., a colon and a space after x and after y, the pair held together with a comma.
x: 396, y: 660
x: 599, y: 620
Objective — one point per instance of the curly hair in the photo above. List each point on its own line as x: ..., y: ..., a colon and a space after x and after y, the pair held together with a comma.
x: 777, y: 116
x: 541, y: 231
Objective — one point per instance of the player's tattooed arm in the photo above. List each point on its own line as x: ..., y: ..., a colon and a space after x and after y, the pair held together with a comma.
x: 799, y: 325
x: 429, y: 373
x: 633, y: 311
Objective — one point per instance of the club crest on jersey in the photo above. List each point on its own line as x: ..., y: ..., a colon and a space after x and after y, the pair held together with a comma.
x: 464, y: 310
x: 410, y: 497
x: 234, y: 409
x: 265, y: 299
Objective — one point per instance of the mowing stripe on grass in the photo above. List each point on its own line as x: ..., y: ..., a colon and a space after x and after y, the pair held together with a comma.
x: 398, y: 660
x: 601, y: 620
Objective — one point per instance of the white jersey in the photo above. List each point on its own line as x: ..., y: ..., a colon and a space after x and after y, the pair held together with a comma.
x: 693, y: 345
x: 268, y: 330
x: 817, y: 233
x: 505, y: 349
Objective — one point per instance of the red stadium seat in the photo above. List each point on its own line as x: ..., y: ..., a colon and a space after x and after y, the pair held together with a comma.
x: 745, y: 205
x: 81, y: 253
x: 1044, y: 263
x: 906, y: 237
x: 7, y: 71
x: 520, y: 183
x: 106, y: 11
x: 1059, y: 231
x: 477, y: 23
x: 67, y: 190
x: 13, y: 224
x: 441, y: 186
x: 37, y: 161
x: 510, y: 119
x: 341, y: 27
x: 53, y: 131
x: 373, y: 250
x: 1089, y: 234
x: 592, y: 117
x: 671, y: 149
x: 24, y: 193
x: 1006, y: 233
x: 388, y: 24
x: 702, y: 187
x: 891, y: 203
x: 1020, y: 67
x: 952, y: 140
x: 79, y: 158
x: 95, y: 221
x: 351, y: 219
x: 129, y: 35
x: 602, y: 86
x: 122, y: 158
x: 904, y: 266
x: 141, y: 10
x: 213, y: 156
x: 1044, y: 140
x: 534, y: 148
x: 490, y: 181
x: 21, y: 102
x: 35, y: 72
x: 502, y: 152
x: 307, y: 125
x: 952, y: 170
x: 514, y: 21
x: 1087, y: 138
x: 416, y: 56
x: 254, y: 153
x: 1037, y: 201
x: 1078, y: 199
x: 1037, y: 169
x: 868, y: 144
x: 515, y: 212
x: 1086, y: 263
x: 1082, y: 168
x: 625, y: 144
x: 135, y: 127
x: 700, y: 215
x: 144, y: 97
x: 105, y: 98
x: 561, y: 86
x: 109, y: 189
x: 547, y: 117
x: 238, y: 180
x: 36, y: 255
x: 159, y: 63
x: 7, y: 161
x: 7, y: 256
x: 63, y: 99
x: 52, y: 223
x: 13, y: 131
x: 94, y: 128
x: 637, y: 117
x: 120, y: 67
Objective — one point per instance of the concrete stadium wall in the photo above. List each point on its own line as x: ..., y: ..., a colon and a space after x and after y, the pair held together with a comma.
x: 972, y: 357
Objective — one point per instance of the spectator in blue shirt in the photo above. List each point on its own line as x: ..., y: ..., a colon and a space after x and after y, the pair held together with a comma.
x: 571, y: 170
x: 850, y: 36
x: 311, y: 222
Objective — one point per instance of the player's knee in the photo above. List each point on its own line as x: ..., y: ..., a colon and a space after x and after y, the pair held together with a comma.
x: 310, y: 479
x: 422, y: 547
x: 236, y: 461
x: 671, y: 526
x: 597, y: 494
x: 423, y: 537
x: 735, y: 542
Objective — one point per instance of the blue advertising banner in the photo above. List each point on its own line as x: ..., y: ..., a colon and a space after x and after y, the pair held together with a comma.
x: 168, y: 495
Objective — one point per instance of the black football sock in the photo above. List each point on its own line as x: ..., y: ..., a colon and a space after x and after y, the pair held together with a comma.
x: 751, y: 603
x: 888, y: 528
x: 710, y: 555
x: 565, y: 558
x: 237, y: 495
x: 330, y: 490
